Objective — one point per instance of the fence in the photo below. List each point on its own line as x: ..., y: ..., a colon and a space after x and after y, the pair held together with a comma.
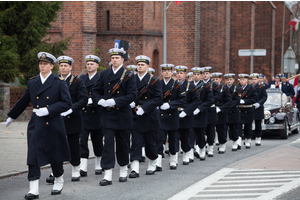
x: 15, y: 94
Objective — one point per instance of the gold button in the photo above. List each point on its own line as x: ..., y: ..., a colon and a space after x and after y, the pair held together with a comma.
x: 93, y: 111
x: 47, y: 123
x: 113, y: 106
x: 37, y: 97
x: 145, y: 97
x: 108, y: 83
x: 169, y: 100
x: 170, y: 114
x: 240, y: 111
x: 108, y: 90
x: 246, y: 95
x: 69, y: 117
x: 85, y: 111
x: 230, y: 111
x: 245, y: 111
x: 47, y: 97
x: 118, y: 92
x: 47, y: 105
x: 162, y: 114
x: 117, y: 108
x: 37, y: 106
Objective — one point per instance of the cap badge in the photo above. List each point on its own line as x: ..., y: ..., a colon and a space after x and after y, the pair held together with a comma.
x: 43, y: 56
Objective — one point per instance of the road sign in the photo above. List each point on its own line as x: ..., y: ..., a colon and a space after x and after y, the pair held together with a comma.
x: 256, y: 52
x: 252, y: 52
x: 117, y: 44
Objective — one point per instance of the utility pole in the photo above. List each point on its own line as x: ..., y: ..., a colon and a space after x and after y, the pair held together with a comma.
x: 282, y: 43
x: 165, y: 33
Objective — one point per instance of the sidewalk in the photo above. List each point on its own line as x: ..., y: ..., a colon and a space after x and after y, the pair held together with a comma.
x: 13, y: 149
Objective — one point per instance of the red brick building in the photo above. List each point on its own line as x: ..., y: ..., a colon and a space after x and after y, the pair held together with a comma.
x: 198, y: 33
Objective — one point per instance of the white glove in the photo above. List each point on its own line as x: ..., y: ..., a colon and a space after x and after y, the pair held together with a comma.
x: 182, y: 114
x: 257, y: 105
x: 67, y: 112
x: 8, y: 121
x: 42, y: 112
x: 132, y: 105
x: 102, y: 102
x: 110, y: 102
x: 242, y: 101
x: 165, y: 106
x: 140, y: 111
x: 218, y: 109
x: 90, y: 101
x: 196, y: 111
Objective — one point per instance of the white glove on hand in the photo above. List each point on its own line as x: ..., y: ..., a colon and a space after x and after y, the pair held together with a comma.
x: 110, y: 102
x: 182, y: 114
x: 67, y: 112
x: 102, y: 102
x: 165, y: 106
x: 42, y: 112
x: 140, y: 111
x: 196, y: 111
x: 8, y: 121
x: 257, y: 105
x: 90, y: 101
x: 132, y: 105
x: 218, y: 109
x: 242, y: 101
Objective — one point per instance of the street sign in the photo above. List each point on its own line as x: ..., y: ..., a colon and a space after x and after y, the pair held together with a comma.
x: 256, y: 52
x: 252, y: 52
x: 117, y: 44
x: 289, y: 61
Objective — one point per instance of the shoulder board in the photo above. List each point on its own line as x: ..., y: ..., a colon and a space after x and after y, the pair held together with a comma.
x: 32, y: 77
x: 183, y: 92
x: 61, y: 78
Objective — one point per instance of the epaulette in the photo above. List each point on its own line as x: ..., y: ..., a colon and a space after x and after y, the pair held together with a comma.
x: 32, y: 77
x: 61, y: 78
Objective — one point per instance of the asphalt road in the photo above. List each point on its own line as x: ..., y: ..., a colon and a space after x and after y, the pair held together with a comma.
x: 165, y: 184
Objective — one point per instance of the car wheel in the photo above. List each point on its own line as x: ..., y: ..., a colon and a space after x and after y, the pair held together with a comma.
x: 284, y: 133
x: 297, y: 130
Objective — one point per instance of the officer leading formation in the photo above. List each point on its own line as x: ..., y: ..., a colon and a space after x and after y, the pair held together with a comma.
x: 187, y: 111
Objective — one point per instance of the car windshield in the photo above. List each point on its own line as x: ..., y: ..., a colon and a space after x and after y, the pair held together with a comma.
x: 273, y: 101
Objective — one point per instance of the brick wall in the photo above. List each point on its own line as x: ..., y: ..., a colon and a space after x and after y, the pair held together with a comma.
x: 213, y: 35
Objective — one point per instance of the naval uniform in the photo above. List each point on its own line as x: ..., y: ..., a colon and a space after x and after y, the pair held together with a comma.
x: 46, y: 136
x: 169, y: 118
x: 186, y: 123
x: 249, y: 95
x: 91, y: 122
x: 234, y: 113
x: 224, y: 105
x: 200, y: 120
x: 288, y: 89
x: 116, y: 120
x: 259, y: 112
x: 73, y: 122
x: 212, y: 116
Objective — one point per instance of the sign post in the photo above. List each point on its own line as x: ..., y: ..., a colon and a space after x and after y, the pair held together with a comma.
x: 252, y: 52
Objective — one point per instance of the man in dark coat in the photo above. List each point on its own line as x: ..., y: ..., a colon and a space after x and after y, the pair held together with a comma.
x: 233, y: 111
x: 149, y: 96
x: 212, y: 117
x: 258, y: 106
x: 201, y: 112
x: 91, y: 119
x: 286, y: 87
x: 186, y: 117
x: 46, y: 135
x: 114, y: 91
x: 173, y: 97
x: 222, y: 107
x: 248, y: 98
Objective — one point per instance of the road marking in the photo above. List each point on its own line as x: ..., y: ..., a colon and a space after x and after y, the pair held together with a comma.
x: 230, y: 183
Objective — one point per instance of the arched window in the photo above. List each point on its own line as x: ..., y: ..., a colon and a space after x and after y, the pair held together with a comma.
x: 155, y: 62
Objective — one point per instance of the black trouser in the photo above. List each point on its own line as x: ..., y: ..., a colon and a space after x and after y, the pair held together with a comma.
x: 34, y: 172
x: 73, y: 140
x: 200, y: 135
x: 258, y: 131
x: 247, y: 130
x: 184, y: 136
x: 97, y: 142
x: 147, y: 139
x: 192, y: 138
x: 210, y: 133
x: 172, y: 139
x: 233, y: 131
x: 122, y: 148
x: 222, y: 133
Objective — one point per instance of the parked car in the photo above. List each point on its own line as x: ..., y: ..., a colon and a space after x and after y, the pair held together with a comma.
x: 280, y: 115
